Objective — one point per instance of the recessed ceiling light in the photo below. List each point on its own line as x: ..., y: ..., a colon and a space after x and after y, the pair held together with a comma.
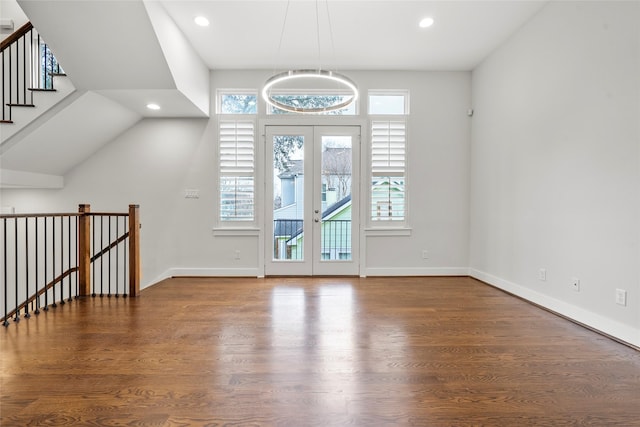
x: 153, y: 106
x: 426, y: 22
x: 202, y: 21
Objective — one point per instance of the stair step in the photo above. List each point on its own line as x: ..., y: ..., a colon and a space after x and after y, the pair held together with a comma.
x: 6, y: 121
x: 20, y: 105
x: 36, y: 89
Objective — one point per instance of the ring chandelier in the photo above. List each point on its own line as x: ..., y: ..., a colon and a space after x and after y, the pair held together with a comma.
x: 291, y: 75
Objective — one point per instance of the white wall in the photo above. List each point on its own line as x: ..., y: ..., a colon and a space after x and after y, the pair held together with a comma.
x: 155, y: 161
x: 9, y: 9
x: 555, y: 163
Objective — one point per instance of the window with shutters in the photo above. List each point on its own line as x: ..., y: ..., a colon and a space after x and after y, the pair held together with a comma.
x: 388, y: 171
x: 237, y: 170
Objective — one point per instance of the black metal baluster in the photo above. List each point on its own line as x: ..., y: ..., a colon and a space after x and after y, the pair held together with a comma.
x: 93, y: 263
x: 4, y: 269
x: 26, y: 266
x: 15, y: 251
x: 24, y: 68
x: 101, y: 258
x: 126, y: 260
x: 37, y: 299
x: 61, y: 260
x: 10, y: 85
x: 46, y: 292
x: 109, y: 260
x: 69, y: 255
x: 53, y: 259
x: 17, y: 71
x: 117, y: 254
x: 31, y: 65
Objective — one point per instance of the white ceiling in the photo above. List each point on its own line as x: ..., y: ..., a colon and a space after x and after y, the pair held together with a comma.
x: 362, y: 35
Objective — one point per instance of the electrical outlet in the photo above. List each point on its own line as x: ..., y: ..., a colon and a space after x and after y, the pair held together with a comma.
x: 425, y: 254
x: 575, y: 284
x: 621, y: 297
x: 191, y: 194
x: 542, y: 275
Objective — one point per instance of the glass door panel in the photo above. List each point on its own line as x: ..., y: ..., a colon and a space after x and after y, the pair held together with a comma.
x: 335, y: 232
x: 288, y: 197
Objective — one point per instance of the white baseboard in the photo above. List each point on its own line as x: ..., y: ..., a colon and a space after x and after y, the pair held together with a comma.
x: 419, y: 271
x: 209, y: 272
x: 605, y: 325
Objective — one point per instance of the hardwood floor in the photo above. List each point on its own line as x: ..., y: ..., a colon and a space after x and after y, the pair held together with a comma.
x: 313, y: 352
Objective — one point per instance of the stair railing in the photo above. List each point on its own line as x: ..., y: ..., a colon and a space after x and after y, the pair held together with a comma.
x: 51, y: 259
x: 27, y: 66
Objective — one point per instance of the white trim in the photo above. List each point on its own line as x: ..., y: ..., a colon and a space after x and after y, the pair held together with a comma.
x: 608, y: 326
x: 417, y: 271
x: 387, y: 231
x: 211, y: 272
x: 164, y: 276
x: 236, y: 231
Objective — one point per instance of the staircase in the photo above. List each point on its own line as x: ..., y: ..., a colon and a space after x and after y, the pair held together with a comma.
x: 28, y: 66
x: 32, y: 81
x: 112, y: 75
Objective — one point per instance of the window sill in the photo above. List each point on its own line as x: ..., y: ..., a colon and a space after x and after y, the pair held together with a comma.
x: 387, y: 231
x: 236, y: 231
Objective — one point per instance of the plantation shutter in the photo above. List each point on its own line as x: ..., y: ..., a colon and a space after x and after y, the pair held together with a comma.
x: 388, y: 170
x: 237, y: 170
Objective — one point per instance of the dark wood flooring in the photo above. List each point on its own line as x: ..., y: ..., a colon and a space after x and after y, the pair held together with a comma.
x: 313, y: 352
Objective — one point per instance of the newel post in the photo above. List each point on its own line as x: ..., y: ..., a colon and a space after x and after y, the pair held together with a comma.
x: 134, y: 250
x: 84, y: 256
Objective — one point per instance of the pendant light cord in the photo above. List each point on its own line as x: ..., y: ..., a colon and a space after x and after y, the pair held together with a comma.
x: 333, y: 47
x: 318, y: 35
x: 284, y: 24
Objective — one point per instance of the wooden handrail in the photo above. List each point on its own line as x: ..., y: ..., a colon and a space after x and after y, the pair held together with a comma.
x: 15, y: 36
x: 49, y: 215
x: 109, y: 247
x: 39, y: 215
x: 40, y: 292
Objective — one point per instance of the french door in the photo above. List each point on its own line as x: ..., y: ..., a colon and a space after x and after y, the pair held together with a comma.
x: 311, y: 200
